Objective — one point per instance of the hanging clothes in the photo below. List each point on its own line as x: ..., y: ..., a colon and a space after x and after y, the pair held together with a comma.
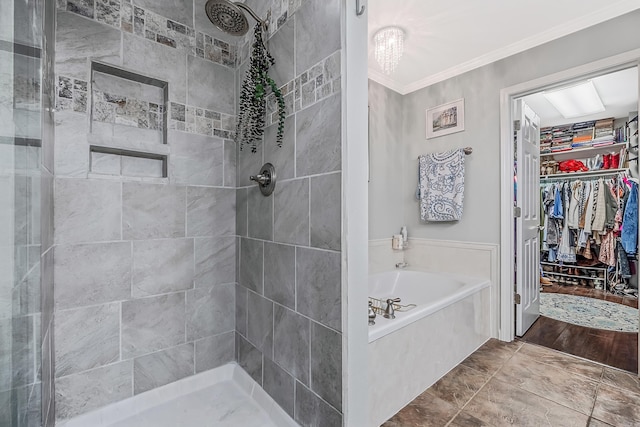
x: 611, y: 206
x: 584, y: 202
x: 608, y: 249
x: 566, y: 251
x: 573, y: 213
x: 588, y: 213
x: 629, y: 235
x: 600, y: 208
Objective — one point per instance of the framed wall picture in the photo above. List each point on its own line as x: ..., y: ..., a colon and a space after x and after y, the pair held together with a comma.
x: 445, y: 119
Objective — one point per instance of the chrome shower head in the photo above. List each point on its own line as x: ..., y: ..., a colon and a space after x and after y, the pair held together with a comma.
x: 229, y: 16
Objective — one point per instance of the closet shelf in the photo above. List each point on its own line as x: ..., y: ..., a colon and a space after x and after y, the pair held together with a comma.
x: 572, y: 175
x: 581, y: 153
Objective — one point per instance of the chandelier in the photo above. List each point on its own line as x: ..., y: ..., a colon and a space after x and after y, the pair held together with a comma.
x: 389, y: 47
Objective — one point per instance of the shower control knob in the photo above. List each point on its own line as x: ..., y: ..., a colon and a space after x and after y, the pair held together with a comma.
x: 261, y: 179
x: 266, y: 179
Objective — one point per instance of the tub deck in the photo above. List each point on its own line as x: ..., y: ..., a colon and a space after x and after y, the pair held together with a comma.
x: 409, y: 354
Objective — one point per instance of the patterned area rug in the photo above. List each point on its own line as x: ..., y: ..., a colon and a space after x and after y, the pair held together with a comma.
x: 589, y: 312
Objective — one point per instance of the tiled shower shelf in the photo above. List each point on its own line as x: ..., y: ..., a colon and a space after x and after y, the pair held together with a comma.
x: 128, y: 105
x: 128, y: 136
x: 108, y: 162
x: 122, y: 144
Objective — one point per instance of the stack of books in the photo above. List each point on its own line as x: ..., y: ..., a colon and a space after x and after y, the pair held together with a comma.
x: 582, y: 134
x: 562, y: 138
x: 620, y: 134
x: 603, y: 133
x: 546, y: 136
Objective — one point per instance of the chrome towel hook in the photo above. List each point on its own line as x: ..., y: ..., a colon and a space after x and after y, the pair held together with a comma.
x: 359, y: 9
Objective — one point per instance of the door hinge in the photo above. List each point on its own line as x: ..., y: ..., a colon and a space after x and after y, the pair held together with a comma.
x: 516, y: 125
x: 516, y: 298
x: 517, y: 212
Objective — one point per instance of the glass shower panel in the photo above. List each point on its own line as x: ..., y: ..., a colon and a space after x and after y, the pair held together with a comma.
x: 20, y: 200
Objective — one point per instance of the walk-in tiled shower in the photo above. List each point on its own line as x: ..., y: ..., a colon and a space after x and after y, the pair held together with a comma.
x: 137, y: 227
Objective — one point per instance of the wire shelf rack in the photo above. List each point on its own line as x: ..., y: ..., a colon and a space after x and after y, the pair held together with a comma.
x: 379, y: 305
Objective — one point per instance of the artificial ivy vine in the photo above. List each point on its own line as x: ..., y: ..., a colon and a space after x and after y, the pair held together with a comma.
x: 253, y: 97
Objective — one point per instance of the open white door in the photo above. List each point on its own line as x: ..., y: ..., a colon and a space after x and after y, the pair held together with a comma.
x: 527, y: 127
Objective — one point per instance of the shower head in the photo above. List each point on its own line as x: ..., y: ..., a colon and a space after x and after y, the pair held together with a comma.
x: 229, y: 16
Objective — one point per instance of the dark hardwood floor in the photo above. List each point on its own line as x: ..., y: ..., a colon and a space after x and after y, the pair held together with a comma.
x: 616, y: 349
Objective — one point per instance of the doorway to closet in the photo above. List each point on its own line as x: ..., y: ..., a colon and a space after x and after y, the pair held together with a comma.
x: 576, y: 217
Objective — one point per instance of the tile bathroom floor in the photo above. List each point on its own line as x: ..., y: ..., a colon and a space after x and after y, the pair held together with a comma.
x: 522, y: 384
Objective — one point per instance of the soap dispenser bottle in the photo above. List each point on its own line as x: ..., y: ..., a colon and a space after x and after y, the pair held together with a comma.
x: 405, y: 238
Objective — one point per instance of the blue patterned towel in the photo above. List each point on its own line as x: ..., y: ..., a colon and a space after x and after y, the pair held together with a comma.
x: 441, y: 185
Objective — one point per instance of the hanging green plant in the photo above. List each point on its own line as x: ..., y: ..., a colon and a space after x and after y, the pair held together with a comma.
x: 256, y: 88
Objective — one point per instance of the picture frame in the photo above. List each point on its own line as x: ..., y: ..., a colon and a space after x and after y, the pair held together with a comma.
x: 445, y: 119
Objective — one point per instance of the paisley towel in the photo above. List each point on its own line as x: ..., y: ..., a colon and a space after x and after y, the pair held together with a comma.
x: 441, y: 185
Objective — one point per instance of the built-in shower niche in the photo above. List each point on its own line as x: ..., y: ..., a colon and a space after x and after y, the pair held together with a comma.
x: 128, y: 124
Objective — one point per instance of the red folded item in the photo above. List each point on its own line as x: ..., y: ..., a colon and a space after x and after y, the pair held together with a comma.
x: 572, y: 166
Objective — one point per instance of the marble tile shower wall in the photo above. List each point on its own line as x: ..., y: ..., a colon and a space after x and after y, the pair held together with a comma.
x: 144, y: 272
x: 143, y: 22
x: 288, y: 297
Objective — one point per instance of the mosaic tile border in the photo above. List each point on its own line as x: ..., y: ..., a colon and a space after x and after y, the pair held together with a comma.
x: 122, y: 110
x: 201, y: 121
x: 71, y: 94
x: 315, y: 84
x: 123, y: 15
x: 119, y: 109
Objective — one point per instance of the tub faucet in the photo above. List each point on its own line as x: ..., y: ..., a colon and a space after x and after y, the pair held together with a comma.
x: 389, y: 312
x: 402, y: 265
x: 372, y: 314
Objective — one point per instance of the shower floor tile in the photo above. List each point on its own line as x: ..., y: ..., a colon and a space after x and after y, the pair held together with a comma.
x: 223, y: 404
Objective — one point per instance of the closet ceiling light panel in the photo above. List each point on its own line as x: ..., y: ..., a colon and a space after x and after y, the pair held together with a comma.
x: 576, y: 101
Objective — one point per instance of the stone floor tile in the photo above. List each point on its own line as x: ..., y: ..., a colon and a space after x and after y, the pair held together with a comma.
x: 617, y: 406
x: 563, y: 361
x: 424, y: 411
x: 459, y: 385
x: 492, y: 355
x: 467, y: 420
x: 501, y: 404
x: 556, y: 384
x: 621, y: 379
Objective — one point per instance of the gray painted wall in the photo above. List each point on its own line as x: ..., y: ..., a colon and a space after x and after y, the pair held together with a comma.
x: 144, y: 266
x: 289, y: 310
x: 386, y: 155
x: 481, y: 90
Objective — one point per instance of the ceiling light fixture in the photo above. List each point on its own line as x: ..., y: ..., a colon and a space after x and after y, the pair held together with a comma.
x: 389, y: 47
x: 575, y: 101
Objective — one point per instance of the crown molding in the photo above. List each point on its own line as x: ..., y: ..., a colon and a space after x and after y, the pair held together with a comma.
x: 569, y: 27
x: 385, y: 80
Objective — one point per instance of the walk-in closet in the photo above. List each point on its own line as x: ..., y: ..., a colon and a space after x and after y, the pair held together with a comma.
x: 588, y: 241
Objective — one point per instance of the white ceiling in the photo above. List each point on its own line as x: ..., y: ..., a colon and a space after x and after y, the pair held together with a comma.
x: 618, y: 91
x: 445, y: 38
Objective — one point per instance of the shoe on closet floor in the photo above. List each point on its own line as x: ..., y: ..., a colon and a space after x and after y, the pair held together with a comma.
x: 545, y: 282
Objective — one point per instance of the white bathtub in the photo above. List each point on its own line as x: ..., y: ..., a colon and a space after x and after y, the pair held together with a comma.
x: 430, y: 292
x: 410, y: 353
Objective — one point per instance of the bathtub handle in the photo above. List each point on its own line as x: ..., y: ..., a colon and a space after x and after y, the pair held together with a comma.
x: 372, y: 314
x: 389, y: 312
